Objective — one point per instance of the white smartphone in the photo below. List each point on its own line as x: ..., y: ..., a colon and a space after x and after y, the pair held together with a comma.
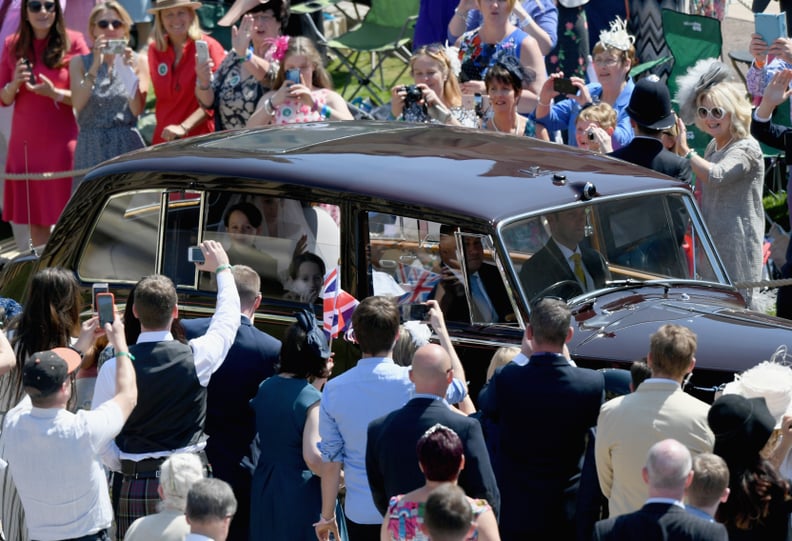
x: 99, y: 287
x: 202, y: 49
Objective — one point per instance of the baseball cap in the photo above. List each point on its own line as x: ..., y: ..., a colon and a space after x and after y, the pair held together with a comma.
x: 46, y: 371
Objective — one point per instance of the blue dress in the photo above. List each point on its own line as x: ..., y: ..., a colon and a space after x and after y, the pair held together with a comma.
x: 477, y: 57
x: 285, y: 498
x: 107, y: 126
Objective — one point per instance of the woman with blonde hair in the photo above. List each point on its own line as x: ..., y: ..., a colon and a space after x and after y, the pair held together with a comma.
x: 172, y: 59
x: 434, y: 71
x: 309, y: 100
x: 106, y: 111
x: 730, y: 174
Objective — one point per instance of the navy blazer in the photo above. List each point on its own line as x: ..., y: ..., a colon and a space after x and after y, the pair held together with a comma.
x: 659, y: 521
x: 392, y: 461
x: 544, y: 411
x: 230, y: 421
x: 650, y: 153
x: 548, y: 266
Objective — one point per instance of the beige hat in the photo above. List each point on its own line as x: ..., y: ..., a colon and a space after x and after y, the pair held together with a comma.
x: 239, y: 8
x: 167, y: 4
x: 769, y: 380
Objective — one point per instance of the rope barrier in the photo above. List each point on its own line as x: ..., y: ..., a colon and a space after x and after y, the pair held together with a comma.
x: 45, y: 176
x: 764, y: 283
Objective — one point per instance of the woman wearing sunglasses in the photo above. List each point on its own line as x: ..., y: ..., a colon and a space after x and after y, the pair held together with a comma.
x: 34, y: 76
x: 730, y: 174
x: 106, y: 109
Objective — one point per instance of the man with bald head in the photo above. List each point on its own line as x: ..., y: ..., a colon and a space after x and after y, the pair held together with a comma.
x: 668, y: 472
x: 391, y: 459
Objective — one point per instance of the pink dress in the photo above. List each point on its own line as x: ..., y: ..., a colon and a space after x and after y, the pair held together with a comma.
x: 405, y: 519
x: 43, y: 138
x: 296, y: 112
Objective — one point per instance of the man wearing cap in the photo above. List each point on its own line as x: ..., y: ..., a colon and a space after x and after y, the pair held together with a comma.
x: 53, y: 454
x: 658, y: 409
x: 650, y: 113
x: 172, y: 378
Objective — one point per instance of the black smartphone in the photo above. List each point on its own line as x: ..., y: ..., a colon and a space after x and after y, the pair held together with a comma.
x: 564, y: 86
x: 293, y: 75
x: 195, y: 255
x: 99, y: 287
x: 31, y: 77
x: 106, y: 308
x: 419, y: 312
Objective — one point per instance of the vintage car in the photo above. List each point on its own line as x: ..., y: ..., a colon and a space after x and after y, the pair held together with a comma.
x: 396, y: 206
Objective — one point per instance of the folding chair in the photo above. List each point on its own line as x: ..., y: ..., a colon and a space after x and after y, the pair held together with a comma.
x: 385, y: 32
x: 690, y: 38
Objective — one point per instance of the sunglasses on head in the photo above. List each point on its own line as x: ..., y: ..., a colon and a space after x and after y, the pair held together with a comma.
x: 716, y: 112
x: 35, y: 6
x: 115, y: 23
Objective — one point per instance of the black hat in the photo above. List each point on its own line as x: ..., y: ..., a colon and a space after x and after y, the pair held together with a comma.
x: 742, y: 427
x: 650, y: 104
x: 46, y: 371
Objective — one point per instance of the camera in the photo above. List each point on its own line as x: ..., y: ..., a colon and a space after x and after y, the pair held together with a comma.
x: 414, y: 111
x: 115, y: 46
x: 195, y: 255
x: 590, y: 135
x: 413, y: 95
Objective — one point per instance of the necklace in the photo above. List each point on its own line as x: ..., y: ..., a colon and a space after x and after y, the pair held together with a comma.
x: 724, y: 146
x: 497, y: 129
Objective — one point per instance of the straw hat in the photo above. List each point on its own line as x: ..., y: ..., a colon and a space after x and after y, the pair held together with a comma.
x: 769, y: 380
x: 159, y: 5
x: 239, y: 8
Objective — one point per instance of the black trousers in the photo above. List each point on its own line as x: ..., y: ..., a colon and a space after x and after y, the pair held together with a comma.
x: 363, y: 532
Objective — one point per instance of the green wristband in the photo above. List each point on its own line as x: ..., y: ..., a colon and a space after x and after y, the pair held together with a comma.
x: 125, y: 354
x: 221, y: 268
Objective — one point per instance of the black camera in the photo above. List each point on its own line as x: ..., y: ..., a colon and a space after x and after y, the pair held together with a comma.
x: 413, y: 95
x: 590, y: 135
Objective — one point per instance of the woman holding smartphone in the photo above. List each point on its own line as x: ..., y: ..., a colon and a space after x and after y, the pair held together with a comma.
x: 107, y: 111
x: 34, y: 76
x: 177, y: 44
x: 303, y: 90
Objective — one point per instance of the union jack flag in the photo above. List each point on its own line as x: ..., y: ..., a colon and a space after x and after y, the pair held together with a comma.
x: 420, y: 281
x: 337, y: 305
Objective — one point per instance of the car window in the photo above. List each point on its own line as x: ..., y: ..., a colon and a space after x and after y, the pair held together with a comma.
x: 122, y: 246
x: 640, y: 238
x: 290, y: 243
x: 416, y: 260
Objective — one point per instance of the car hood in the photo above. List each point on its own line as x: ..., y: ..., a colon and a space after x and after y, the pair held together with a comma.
x: 621, y: 320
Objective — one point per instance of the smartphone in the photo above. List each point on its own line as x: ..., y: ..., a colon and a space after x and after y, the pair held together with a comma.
x: 293, y: 75
x: 31, y: 77
x: 115, y: 46
x: 202, y: 49
x: 195, y: 255
x: 106, y: 308
x: 419, y: 312
x: 564, y: 86
x: 99, y: 287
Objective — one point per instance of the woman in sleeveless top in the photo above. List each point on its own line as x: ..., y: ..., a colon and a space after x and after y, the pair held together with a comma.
x: 107, y: 109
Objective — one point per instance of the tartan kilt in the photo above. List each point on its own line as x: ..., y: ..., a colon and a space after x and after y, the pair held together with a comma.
x: 139, y: 498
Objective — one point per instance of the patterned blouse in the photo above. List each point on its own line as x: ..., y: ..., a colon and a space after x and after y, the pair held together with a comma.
x: 235, y: 97
x: 405, y: 519
x: 296, y: 112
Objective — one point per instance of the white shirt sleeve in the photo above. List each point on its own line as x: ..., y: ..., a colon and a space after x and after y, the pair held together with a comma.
x: 104, y: 389
x: 210, y: 350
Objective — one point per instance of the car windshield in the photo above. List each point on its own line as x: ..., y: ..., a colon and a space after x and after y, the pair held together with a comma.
x: 590, y: 245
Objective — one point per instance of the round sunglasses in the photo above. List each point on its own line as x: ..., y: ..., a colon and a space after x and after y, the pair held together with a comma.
x: 716, y: 112
x: 115, y: 23
x: 35, y: 6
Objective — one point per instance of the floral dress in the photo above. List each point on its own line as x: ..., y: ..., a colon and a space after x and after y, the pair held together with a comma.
x: 235, y: 97
x: 296, y: 112
x: 405, y: 519
x: 477, y: 57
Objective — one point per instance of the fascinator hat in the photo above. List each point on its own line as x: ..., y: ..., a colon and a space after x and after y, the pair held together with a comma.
x: 315, y: 339
x: 702, y: 76
x: 617, y: 37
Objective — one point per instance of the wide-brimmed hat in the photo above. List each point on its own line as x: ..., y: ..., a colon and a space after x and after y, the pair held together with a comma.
x: 770, y: 380
x: 239, y: 8
x: 650, y: 104
x: 742, y: 427
x: 159, y: 5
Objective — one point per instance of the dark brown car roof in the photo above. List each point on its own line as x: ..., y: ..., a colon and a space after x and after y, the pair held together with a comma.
x: 473, y: 173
